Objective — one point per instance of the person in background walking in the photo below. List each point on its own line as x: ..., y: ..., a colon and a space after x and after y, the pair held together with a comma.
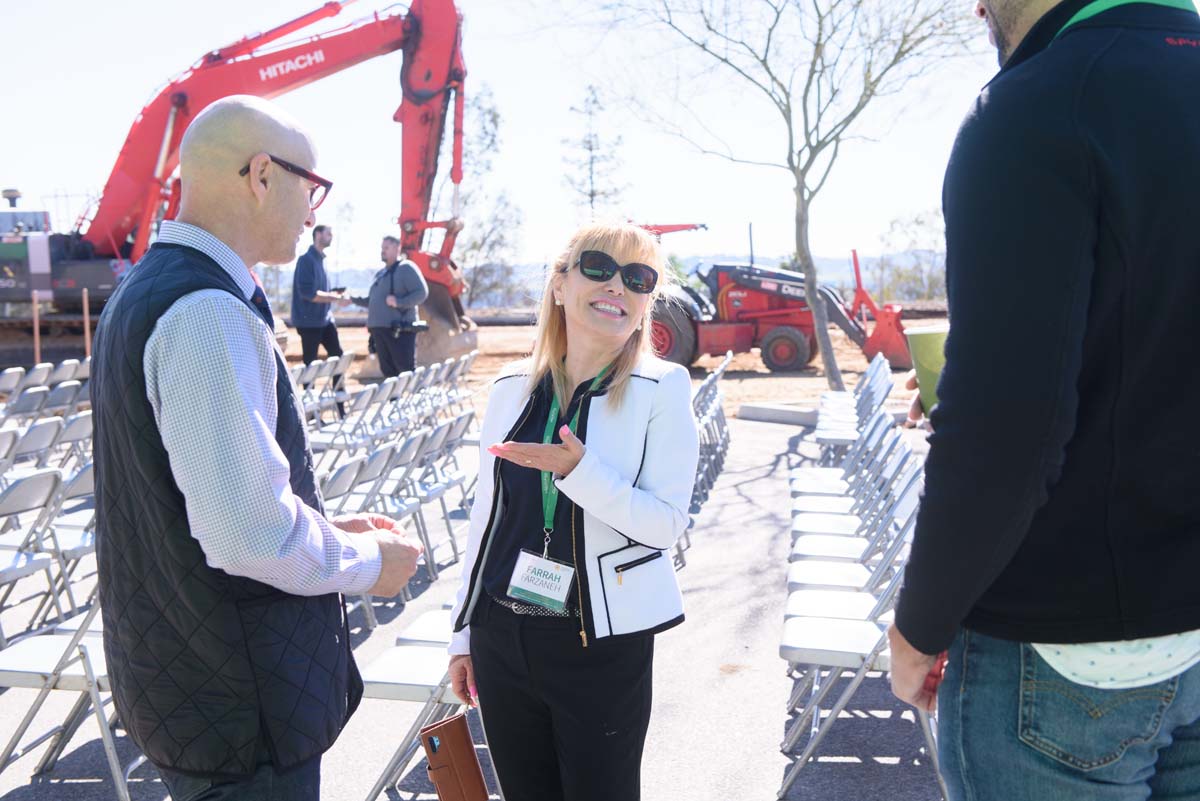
x: 312, y: 302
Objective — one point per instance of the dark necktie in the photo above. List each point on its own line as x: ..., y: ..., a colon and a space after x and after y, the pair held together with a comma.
x: 259, y: 299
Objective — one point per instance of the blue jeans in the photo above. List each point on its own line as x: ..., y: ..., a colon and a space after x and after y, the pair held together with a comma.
x: 1012, y: 729
x: 301, y: 783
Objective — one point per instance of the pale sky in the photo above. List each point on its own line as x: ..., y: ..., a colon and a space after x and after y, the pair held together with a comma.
x: 77, y: 72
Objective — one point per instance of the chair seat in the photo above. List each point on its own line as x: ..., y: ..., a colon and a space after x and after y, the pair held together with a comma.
x: 818, y: 487
x: 19, y: 564
x: 427, y: 491
x: 405, y: 673
x: 835, y: 437
x: 819, y: 523
x: 72, y: 624
x: 808, y: 472
x: 75, y: 543
x: 29, y: 662
x: 431, y: 628
x: 828, y: 546
x: 823, y: 504
x: 811, y: 574
x: 838, y: 604
x: 831, y: 642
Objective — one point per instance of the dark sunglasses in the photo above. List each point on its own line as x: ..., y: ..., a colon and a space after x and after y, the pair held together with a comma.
x: 599, y: 266
x: 316, y: 195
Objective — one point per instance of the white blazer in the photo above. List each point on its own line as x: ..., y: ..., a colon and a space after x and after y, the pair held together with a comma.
x: 634, y: 486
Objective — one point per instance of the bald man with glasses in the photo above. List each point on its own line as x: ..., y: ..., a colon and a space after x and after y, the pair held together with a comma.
x: 220, y: 576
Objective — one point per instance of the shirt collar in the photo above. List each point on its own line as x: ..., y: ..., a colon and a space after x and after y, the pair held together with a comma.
x: 174, y: 232
x: 313, y: 251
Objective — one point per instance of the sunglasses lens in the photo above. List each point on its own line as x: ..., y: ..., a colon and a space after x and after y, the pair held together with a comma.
x: 639, y: 278
x: 597, y: 266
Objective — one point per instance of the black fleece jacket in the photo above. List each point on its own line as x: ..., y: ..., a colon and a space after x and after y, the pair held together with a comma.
x: 1062, y: 498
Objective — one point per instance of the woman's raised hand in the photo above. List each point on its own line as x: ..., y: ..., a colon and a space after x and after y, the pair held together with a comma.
x: 557, y: 459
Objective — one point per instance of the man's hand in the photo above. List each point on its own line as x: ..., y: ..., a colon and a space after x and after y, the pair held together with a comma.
x: 557, y: 459
x: 399, y: 556
x: 359, y: 524
x: 391, y: 301
x: 462, y: 679
x: 913, y: 677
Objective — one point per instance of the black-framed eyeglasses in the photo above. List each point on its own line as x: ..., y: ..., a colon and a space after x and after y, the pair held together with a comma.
x: 599, y: 266
x: 316, y: 195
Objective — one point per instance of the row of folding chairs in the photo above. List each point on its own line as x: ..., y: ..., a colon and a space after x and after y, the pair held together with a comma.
x: 44, y: 374
x: 34, y: 403
x: 64, y: 443
x: 322, y: 383
x: 47, y: 528
x: 398, y: 478
x: 851, y: 530
x: 393, y: 407
x: 842, y: 415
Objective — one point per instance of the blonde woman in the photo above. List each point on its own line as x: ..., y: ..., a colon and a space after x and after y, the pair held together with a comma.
x: 589, y: 456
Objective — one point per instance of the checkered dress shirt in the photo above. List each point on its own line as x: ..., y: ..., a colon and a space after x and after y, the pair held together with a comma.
x: 210, y: 378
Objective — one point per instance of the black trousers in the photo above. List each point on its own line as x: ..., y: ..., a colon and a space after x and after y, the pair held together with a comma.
x: 313, y: 338
x: 397, y: 354
x: 563, y: 722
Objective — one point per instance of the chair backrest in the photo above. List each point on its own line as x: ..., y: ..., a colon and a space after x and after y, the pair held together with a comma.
x: 85, y: 369
x: 295, y: 371
x: 377, y: 462
x: 36, y: 376
x: 66, y: 370
x: 29, y: 402
x: 340, y: 369
x: 310, y: 372
x: 78, y: 428
x: 35, y: 492
x: 343, y: 479
x: 408, y: 457
x: 10, y: 379
x: 81, y: 485
x: 64, y: 397
x: 458, y: 429
x: 39, y: 438
x: 326, y: 369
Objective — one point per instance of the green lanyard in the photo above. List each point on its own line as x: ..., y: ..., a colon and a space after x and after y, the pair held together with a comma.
x: 1100, y: 6
x: 549, y: 490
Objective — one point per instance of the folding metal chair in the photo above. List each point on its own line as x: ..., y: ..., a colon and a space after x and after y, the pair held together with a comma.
x: 26, y: 406
x: 23, y: 551
x: 69, y: 663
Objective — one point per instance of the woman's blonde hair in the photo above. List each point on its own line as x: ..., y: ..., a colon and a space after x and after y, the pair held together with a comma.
x: 625, y: 243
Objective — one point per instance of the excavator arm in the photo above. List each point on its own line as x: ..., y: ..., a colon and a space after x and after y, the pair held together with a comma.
x: 429, y: 35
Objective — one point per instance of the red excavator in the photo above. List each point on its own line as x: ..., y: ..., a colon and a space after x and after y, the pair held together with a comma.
x: 143, y: 187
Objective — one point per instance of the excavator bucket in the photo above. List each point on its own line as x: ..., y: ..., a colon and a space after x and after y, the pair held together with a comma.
x: 451, y: 333
x: 888, y: 338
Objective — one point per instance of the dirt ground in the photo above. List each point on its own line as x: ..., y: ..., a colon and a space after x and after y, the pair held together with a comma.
x: 746, y: 381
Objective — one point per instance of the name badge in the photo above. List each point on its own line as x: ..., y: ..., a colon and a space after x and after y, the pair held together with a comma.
x: 540, y: 581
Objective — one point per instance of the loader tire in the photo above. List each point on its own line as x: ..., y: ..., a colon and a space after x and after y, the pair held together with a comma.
x: 785, y: 349
x: 673, y: 333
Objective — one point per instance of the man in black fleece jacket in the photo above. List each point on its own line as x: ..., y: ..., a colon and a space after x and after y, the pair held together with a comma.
x: 1058, y: 542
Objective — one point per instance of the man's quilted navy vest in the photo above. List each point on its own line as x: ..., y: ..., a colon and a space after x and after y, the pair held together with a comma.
x: 204, y: 665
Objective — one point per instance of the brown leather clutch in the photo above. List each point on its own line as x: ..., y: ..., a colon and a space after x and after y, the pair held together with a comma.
x: 453, y: 765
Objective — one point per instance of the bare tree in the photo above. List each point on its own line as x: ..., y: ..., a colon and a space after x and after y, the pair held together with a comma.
x: 592, y: 164
x: 492, y: 221
x: 819, y: 64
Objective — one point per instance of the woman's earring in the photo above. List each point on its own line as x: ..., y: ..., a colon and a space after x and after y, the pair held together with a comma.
x: 557, y: 302
x: 639, y: 327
